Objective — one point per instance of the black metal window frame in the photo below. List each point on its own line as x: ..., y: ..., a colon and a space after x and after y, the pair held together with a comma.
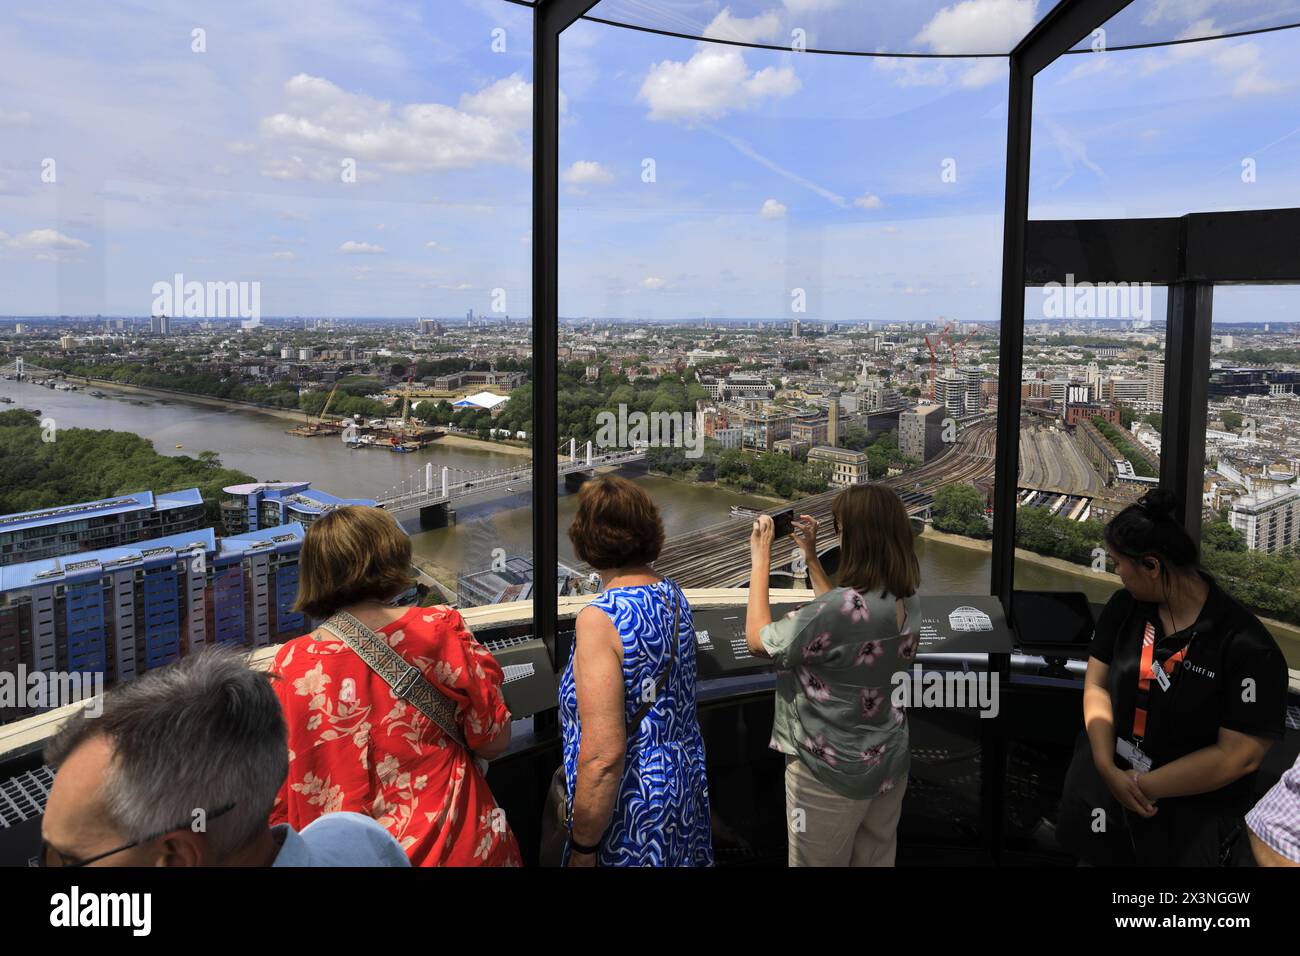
x: 1190, y: 255
x: 1062, y: 28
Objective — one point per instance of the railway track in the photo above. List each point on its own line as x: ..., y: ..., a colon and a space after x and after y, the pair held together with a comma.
x: 718, y: 555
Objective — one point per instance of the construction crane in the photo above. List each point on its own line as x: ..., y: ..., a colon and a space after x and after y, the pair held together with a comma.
x: 955, y: 348
x: 930, y: 345
x: 319, y: 426
x: 399, y: 438
x: 325, y: 409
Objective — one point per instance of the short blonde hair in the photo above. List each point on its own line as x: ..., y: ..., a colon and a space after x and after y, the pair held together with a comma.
x: 352, y: 554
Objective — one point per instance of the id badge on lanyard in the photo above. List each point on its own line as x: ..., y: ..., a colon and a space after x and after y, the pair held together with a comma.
x: 1132, y: 752
x: 1149, y: 669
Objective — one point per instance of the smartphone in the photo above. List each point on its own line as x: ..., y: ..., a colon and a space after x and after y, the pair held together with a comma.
x: 783, y: 522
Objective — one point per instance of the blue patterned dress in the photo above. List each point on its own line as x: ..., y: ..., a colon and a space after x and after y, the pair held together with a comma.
x: 661, y: 815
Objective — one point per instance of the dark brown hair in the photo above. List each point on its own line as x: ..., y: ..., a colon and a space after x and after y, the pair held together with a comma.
x: 617, y: 525
x: 876, y: 550
x: 352, y: 554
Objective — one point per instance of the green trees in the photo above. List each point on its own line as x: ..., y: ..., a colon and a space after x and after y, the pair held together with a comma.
x: 1221, y: 536
x: 1040, y: 531
x: 959, y: 509
x: 771, y: 473
x: 1267, y: 583
x: 854, y: 437
x: 82, y: 464
x: 884, y: 454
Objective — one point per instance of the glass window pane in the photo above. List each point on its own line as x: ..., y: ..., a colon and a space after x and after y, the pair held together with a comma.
x: 1250, y: 532
x: 292, y: 254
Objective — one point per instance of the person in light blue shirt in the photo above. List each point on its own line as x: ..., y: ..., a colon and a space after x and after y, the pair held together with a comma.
x: 181, y: 768
x: 338, y: 839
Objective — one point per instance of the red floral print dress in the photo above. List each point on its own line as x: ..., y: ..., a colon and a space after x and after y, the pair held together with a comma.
x: 354, y: 746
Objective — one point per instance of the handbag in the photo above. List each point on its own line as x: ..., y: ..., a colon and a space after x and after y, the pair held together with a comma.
x: 556, y: 815
x: 403, y: 678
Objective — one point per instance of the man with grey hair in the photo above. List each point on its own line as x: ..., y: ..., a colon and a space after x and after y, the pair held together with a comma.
x: 181, y: 769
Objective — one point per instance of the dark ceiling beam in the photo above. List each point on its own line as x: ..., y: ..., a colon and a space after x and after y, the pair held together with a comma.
x: 1257, y: 247
x: 1064, y: 26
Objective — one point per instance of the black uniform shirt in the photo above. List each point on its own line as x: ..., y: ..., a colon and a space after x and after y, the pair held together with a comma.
x: 1227, y: 650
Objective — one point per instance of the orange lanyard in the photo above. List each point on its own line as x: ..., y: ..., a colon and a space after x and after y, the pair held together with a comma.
x: 1146, y: 672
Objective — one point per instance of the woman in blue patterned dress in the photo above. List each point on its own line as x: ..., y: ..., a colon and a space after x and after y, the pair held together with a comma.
x: 639, y: 794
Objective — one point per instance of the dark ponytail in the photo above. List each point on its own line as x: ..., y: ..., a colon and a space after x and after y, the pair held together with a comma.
x: 1149, y: 528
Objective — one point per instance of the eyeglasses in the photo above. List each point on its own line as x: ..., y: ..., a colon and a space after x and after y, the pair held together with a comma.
x: 46, y: 850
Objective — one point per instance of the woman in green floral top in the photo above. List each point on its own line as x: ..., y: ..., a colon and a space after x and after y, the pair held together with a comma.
x: 845, y: 743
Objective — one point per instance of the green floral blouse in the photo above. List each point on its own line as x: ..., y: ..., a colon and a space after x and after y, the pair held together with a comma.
x: 835, y: 659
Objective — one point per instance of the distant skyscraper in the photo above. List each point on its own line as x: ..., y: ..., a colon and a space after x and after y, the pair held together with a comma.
x: 1156, y: 382
x: 160, y: 325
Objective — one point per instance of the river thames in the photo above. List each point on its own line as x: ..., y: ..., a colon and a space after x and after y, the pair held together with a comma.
x: 257, y: 443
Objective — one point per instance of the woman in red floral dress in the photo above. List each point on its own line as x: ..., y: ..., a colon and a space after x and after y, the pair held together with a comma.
x: 353, y: 745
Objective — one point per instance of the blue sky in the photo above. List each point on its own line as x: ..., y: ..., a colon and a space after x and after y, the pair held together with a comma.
x: 773, y: 170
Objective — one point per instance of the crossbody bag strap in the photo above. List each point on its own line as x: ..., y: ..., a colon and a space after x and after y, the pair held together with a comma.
x: 635, y: 723
x: 403, y: 678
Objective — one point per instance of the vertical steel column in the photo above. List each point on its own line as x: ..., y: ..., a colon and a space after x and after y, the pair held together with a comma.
x: 1064, y: 25
x: 550, y: 19
x: 993, y: 751
x: 1187, y: 363
x: 1011, y: 329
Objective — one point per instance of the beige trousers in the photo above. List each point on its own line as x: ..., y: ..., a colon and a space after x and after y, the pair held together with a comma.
x: 833, y: 830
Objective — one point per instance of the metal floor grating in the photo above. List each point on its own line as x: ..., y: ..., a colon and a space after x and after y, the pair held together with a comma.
x: 23, y: 797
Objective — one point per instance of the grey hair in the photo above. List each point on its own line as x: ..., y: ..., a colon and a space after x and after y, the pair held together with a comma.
x: 188, y: 739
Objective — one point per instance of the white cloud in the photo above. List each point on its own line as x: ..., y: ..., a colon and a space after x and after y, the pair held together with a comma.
x: 416, y: 138
x: 772, y: 210
x: 710, y: 84
x: 284, y: 254
x: 971, y: 26
x: 508, y: 100
x: 1242, y: 63
x: 45, y: 239
x: 1239, y: 64
x: 1161, y: 10
x: 291, y: 168
x: 652, y: 282
x: 810, y: 6
x: 433, y: 244
x: 353, y: 248
x: 764, y: 27
x: 979, y: 26
x: 868, y: 201
x: 984, y: 72
x: 911, y: 71
x: 587, y: 173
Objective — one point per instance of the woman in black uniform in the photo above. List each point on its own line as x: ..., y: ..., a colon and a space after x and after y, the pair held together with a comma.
x: 1185, y: 693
